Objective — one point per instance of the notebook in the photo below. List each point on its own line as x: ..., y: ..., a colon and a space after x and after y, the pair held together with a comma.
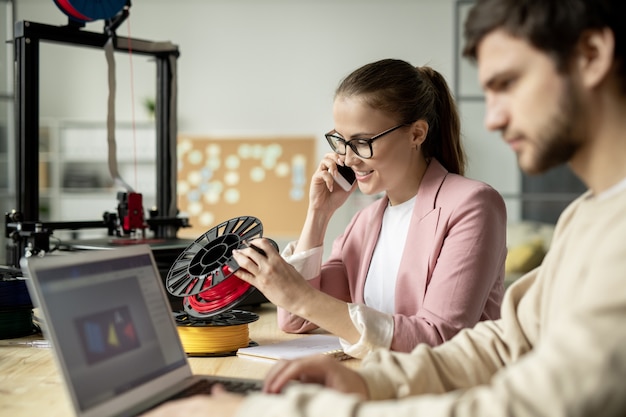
x: 112, y: 332
x: 315, y: 344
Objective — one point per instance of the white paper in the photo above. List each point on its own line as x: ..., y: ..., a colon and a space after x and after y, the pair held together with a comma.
x: 306, y: 345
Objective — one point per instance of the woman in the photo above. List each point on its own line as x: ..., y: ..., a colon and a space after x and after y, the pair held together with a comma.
x: 415, y: 266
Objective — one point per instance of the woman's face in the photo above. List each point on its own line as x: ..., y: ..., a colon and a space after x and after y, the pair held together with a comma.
x: 395, y: 163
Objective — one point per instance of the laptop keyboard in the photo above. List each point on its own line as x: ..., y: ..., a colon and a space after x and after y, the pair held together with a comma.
x: 204, y: 386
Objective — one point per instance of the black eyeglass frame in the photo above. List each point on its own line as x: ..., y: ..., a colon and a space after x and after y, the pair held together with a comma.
x: 332, y: 138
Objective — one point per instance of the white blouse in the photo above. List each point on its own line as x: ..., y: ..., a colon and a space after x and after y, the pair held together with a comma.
x: 380, y: 285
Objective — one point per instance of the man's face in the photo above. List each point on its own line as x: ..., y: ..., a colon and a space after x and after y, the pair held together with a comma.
x: 537, y: 109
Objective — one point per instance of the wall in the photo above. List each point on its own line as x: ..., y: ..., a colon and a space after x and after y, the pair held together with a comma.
x: 249, y: 67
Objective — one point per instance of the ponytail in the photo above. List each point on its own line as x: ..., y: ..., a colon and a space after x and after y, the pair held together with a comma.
x: 444, y: 134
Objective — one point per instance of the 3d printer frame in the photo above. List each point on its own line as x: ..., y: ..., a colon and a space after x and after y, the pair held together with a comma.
x: 22, y: 226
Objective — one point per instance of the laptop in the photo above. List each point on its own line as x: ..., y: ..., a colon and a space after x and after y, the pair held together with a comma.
x: 108, y: 319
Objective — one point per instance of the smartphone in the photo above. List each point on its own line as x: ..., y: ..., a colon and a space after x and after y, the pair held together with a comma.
x: 346, y: 177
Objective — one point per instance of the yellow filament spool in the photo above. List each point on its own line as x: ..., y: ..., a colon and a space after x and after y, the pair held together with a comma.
x: 214, y: 340
x: 218, y: 335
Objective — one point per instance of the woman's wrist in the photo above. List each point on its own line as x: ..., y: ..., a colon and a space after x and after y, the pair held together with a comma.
x: 313, y: 231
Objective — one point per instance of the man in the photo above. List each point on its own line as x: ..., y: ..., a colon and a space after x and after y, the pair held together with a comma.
x: 554, y: 76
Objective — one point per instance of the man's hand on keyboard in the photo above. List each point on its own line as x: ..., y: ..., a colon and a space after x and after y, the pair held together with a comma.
x: 317, y: 369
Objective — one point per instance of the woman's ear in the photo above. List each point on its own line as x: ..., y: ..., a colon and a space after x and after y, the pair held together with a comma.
x: 419, y: 129
x: 595, y: 55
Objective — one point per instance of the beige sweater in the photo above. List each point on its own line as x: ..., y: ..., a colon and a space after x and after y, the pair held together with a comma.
x: 558, y: 350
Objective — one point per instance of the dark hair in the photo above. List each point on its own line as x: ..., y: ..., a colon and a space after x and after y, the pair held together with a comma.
x: 410, y: 94
x: 552, y: 26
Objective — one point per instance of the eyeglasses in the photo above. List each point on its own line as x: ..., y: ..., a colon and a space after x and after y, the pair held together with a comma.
x: 361, y: 147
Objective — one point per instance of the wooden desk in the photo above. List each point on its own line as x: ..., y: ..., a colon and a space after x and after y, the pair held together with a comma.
x: 30, y: 384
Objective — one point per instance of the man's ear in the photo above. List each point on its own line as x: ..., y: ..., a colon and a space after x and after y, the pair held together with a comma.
x: 419, y: 129
x: 595, y: 55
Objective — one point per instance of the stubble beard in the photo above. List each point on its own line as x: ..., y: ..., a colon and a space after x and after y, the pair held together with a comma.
x: 559, y: 139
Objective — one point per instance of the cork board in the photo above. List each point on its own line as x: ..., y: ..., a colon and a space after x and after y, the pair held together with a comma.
x: 268, y: 178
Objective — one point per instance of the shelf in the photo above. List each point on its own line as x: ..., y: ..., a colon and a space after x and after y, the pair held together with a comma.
x: 75, y: 175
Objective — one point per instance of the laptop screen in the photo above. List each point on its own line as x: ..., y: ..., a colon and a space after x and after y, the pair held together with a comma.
x: 111, y: 322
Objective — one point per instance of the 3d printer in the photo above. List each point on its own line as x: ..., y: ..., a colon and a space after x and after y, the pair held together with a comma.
x: 26, y: 234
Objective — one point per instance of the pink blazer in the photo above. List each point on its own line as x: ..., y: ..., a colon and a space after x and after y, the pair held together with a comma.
x: 452, y: 270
